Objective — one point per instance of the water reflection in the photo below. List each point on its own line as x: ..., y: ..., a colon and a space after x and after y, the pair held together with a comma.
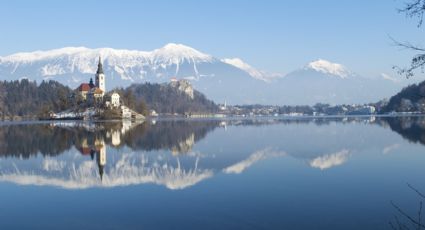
x: 410, y: 127
x: 263, y: 154
x: 77, y: 155
x: 330, y: 160
x: 99, y: 146
x: 51, y: 139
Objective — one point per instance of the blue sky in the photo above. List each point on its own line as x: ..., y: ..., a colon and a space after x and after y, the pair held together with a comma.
x: 277, y: 36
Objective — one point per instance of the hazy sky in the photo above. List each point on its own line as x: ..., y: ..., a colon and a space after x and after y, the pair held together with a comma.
x: 277, y: 36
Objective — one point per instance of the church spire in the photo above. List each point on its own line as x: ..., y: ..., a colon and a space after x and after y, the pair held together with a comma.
x: 99, y: 66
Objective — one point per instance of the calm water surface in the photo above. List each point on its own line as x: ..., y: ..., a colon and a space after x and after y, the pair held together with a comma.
x: 335, y: 173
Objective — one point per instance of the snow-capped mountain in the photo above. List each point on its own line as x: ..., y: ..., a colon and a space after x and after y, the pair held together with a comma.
x: 325, y: 81
x: 127, y: 65
x: 172, y: 60
x: 230, y: 80
x: 74, y: 65
x: 175, y: 54
x: 329, y: 68
x: 323, y: 69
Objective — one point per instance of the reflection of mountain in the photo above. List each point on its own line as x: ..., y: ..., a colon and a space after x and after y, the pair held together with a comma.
x: 75, y: 171
x: 91, y: 165
x: 330, y: 160
x: 390, y: 148
x: 252, y: 159
x: 165, y: 152
x: 411, y: 128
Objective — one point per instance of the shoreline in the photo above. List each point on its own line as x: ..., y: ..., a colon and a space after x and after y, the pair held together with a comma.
x: 222, y: 118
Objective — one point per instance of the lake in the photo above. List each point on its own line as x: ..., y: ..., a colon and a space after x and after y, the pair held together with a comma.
x: 262, y: 173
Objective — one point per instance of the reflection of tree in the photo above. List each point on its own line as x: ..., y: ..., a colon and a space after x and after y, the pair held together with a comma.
x: 411, y: 128
x: 319, y: 120
x: 175, y: 135
x: 27, y: 140
x: 178, y: 136
x: 53, y: 139
x: 50, y: 139
x: 407, y: 221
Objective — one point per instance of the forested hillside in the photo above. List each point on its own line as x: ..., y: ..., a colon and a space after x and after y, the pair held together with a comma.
x: 410, y: 99
x: 164, y: 98
x: 26, y: 98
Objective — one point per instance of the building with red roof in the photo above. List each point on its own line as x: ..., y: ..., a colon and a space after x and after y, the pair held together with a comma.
x: 84, y: 89
x: 90, y: 90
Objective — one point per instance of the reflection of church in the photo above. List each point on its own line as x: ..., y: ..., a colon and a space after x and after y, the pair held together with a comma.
x: 95, y: 149
x: 92, y: 142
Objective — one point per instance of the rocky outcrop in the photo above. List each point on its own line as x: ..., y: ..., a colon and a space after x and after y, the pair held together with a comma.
x: 183, y: 86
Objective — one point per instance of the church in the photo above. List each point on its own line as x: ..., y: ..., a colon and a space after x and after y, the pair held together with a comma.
x: 97, y: 90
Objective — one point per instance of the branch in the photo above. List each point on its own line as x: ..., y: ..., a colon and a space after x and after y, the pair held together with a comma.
x: 415, y: 8
x: 419, y: 215
x: 406, y: 45
x: 417, y: 62
x: 399, y: 226
x: 417, y: 191
x: 418, y: 223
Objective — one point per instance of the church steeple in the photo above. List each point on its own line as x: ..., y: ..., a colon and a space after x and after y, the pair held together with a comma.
x: 99, y: 66
x: 100, y: 77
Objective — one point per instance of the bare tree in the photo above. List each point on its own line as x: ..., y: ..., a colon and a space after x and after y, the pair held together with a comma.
x: 413, y: 9
x: 405, y: 221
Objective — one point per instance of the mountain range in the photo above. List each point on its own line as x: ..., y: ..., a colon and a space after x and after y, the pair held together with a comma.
x: 227, y: 79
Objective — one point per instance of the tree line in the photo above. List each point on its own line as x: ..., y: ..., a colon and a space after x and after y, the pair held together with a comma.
x: 26, y: 98
x: 410, y: 99
x: 165, y: 99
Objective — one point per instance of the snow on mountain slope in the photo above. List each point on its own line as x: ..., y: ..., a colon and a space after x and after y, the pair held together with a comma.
x: 67, y: 60
x: 389, y: 78
x: 70, y: 63
x: 330, y: 68
x: 40, y: 55
x: 257, y: 74
x: 333, y: 83
x: 230, y: 80
x: 178, y: 53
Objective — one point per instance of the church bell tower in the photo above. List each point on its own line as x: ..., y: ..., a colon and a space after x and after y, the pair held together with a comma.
x: 100, y: 76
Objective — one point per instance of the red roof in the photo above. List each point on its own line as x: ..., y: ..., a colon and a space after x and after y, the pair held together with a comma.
x: 85, y: 150
x: 84, y: 87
